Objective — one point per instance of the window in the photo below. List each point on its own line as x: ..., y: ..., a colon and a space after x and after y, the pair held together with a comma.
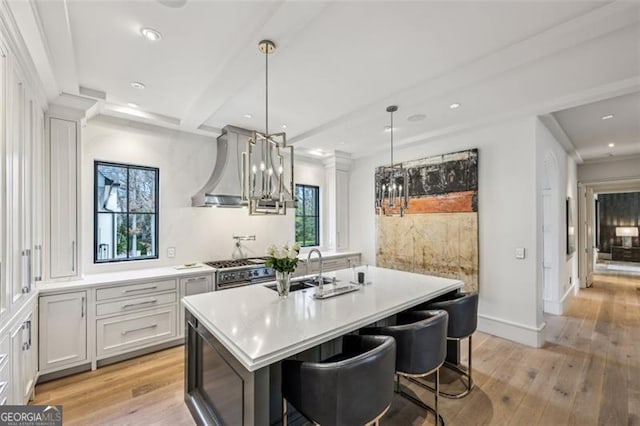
x: 126, y: 212
x: 308, y: 215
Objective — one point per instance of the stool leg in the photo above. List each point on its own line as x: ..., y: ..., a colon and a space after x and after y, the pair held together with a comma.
x: 470, y: 380
x: 436, y: 395
x: 285, y: 412
x: 397, y: 383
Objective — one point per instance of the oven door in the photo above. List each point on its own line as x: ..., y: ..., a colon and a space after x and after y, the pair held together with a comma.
x: 213, y: 390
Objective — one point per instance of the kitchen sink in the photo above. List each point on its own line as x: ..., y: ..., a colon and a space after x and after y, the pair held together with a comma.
x: 295, y: 286
x: 298, y: 284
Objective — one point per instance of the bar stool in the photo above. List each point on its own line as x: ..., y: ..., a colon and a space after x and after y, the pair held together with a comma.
x: 421, y: 339
x: 354, y: 387
x: 463, y: 321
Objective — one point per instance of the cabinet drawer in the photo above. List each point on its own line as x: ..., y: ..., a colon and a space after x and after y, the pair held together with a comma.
x: 134, y: 289
x: 5, y: 371
x: 133, y: 331
x: 128, y: 305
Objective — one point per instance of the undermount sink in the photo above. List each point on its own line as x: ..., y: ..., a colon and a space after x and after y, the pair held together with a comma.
x: 298, y: 284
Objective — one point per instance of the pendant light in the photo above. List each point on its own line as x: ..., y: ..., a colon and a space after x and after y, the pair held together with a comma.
x: 392, y: 183
x: 267, y: 163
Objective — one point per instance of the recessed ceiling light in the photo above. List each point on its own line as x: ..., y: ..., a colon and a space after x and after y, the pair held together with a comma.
x: 454, y: 106
x: 607, y: 117
x: 137, y: 85
x: 611, y: 145
x: 151, y: 34
x: 416, y: 117
x: 284, y: 126
x: 133, y: 105
x: 343, y: 143
x: 317, y: 152
x: 248, y: 116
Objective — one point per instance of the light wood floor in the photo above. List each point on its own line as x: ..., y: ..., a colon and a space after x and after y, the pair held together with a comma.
x: 587, y: 373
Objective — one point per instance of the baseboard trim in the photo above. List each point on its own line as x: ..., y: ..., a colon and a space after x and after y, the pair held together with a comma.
x: 558, y: 307
x: 521, y: 333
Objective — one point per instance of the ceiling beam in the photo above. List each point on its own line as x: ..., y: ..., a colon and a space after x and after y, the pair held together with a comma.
x: 233, y: 75
x: 60, y: 48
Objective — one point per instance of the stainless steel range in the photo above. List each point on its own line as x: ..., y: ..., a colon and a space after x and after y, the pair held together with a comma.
x: 241, y: 272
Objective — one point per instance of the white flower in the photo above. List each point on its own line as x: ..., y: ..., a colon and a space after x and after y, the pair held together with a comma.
x: 271, y: 251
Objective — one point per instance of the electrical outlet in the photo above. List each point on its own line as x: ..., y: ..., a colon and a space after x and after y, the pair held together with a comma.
x: 520, y: 253
x: 171, y: 252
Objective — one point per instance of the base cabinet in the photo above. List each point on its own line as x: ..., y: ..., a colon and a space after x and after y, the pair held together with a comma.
x: 24, y: 350
x: 188, y: 287
x: 63, y: 330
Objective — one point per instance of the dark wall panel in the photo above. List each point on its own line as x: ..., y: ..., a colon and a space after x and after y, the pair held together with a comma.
x: 617, y: 210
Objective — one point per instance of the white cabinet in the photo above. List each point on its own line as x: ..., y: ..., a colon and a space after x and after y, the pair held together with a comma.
x: 329, y: 263
x: 135, y: 316
x: 38, y: 185
x: 17, y: 219
x: 5, y: 369
x: 23, y: 358
x: 63, y: 148
x: 190, y: 286
x: 63, y: 330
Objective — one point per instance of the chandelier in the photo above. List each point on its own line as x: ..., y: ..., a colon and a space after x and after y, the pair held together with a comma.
x: 267, y: 163
x: 392, y: 183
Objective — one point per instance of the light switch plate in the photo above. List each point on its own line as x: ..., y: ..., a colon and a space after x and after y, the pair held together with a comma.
x: 171, y: 252
x: 520, y: 252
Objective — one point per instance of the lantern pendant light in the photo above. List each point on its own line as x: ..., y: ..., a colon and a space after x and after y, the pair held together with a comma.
x: 392, y: 183
x: 267, y: 164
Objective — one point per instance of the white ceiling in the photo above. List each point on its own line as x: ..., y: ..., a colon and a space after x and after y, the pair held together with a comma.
x: 591, y: 135
x: 339, y: 64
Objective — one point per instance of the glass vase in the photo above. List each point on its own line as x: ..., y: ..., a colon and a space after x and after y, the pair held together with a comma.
x: 283, y: 282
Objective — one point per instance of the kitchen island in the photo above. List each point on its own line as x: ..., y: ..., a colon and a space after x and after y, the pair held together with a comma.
x: 237, y: 338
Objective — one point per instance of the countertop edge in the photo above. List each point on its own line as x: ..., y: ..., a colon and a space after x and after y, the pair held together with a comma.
x: 253, y: 365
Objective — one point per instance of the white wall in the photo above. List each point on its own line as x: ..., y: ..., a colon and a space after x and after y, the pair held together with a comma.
x: 565, y: 185
x: 507, y: 219
x: 185, y: 162
x: 604, y: 171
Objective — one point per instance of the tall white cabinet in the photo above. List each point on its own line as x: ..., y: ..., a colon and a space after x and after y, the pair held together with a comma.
x: 21, y: 216
x: 63, y: 181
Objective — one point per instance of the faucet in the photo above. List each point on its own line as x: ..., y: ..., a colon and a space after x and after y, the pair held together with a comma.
x: 320, y: 280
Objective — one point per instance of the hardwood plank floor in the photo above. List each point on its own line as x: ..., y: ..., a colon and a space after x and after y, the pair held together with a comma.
x: 588, y: 373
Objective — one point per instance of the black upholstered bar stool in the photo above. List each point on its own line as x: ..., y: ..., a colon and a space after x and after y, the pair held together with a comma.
x: 352, y: 388
x: 463, y: 321
x: 421, y: 339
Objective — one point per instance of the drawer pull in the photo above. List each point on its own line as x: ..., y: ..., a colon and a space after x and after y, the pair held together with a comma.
x: 139, y: 289
x: 124, y: 333
x: 148, y: 302
x: 3, y: 386
x: 189, y: 280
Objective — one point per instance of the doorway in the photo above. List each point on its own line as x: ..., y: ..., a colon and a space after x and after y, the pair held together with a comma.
x: 602, y: 239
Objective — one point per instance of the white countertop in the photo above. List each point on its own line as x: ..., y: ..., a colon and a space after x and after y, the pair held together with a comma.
x: 92, y: 280
x: 259, y: 329
x: 125, y: 276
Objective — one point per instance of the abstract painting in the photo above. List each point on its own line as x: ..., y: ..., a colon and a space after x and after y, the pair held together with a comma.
x: 439, y: 233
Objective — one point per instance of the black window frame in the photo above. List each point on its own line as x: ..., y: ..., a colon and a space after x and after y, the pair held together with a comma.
x: 304, y: 216
x: 127, y: 213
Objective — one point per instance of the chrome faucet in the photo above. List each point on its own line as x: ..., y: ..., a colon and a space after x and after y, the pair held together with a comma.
x: 319, y: 277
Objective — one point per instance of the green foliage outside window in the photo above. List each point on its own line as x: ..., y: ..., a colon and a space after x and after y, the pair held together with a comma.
x: 126, y: 212
x: 308, y: 215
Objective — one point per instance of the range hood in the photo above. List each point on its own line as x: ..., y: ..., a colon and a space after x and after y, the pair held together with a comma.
x: 224, y: 187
